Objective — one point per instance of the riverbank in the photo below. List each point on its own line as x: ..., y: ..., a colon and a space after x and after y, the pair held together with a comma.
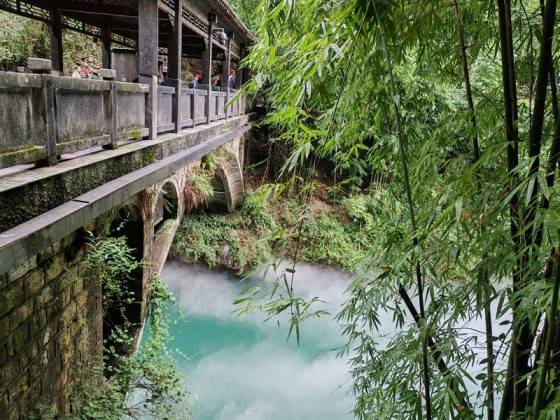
x: 268, y: 226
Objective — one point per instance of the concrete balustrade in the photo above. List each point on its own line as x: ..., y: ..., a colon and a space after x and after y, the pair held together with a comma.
x: 200, y: 97
x: 186, y: 107
x: 43, y: 116
x: 164, y: 108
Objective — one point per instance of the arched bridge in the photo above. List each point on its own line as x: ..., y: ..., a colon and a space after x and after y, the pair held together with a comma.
x: 78, y: 156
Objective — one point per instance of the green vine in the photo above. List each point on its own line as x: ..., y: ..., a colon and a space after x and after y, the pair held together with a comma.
x: 144, y: 384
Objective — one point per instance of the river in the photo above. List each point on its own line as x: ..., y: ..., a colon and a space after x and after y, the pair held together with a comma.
x: 246, y: 368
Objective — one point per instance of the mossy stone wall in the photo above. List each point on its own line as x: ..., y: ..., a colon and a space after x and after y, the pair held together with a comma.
x: 50, y: 325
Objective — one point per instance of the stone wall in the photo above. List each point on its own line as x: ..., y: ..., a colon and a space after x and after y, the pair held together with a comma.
x: 50, y: 326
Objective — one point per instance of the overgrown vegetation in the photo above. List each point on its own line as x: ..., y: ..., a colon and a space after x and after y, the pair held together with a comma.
x: 263, y: 229
x: 144, y: 384
x: 454, y: 107
x: 21, y: 38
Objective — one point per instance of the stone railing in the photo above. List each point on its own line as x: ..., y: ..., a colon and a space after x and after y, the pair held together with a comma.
x: 43, y: 116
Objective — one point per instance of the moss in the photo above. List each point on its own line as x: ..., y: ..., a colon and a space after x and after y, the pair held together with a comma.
x: 81, y: 143
x: 23, y: 149
x: 135, y: 134
x: 149, y: 156
x: 21, y: 155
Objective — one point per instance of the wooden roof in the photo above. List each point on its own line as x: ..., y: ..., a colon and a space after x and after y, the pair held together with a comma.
x: 90, y: 16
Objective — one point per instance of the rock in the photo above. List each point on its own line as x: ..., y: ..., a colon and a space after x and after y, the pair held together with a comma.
x: 39, y: 65
x: 107, y: 74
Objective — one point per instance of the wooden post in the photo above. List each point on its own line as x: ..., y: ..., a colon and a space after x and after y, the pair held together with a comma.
x: 148, y: 58
x: 49, y: 108
x: 106, y: 48
x: 241, y: 72
x: 211, y: 22
x: 56, y: 40
x: 175, y: 52
x: 228, y: 94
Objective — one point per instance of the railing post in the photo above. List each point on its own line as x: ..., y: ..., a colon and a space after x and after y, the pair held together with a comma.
x: 114, y: 116
x: 151, y: 108
x: 176, y: 107
x: 193, y: 106
x: 218, y: 105
x: 49, y: 108
x: 111, y: 107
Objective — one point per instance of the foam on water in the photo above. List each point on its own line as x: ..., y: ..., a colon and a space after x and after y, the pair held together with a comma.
x: 246, y: 368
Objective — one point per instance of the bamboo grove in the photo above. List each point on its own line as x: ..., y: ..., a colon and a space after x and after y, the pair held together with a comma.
x: 449, y: 109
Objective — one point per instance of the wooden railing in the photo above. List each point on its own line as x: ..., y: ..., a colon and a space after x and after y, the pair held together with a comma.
x: 44, y: 116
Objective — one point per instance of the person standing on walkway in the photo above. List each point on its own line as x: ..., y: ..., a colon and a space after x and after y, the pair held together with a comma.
x: 196, y: 80
x: 232, y: 79
x: 76, y: 74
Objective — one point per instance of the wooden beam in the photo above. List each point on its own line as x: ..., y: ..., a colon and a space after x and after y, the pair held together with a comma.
x: 97, y: 9
x: 106, y: 48
x: 56, y: 40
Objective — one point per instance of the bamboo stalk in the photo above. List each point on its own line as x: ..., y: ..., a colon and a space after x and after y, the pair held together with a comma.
x: 483, y: 274
x: 406, y: 182
x: 548, y: 344
x: 512, y: 137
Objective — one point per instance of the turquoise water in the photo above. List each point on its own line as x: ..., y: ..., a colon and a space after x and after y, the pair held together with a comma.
x: 247, y: 368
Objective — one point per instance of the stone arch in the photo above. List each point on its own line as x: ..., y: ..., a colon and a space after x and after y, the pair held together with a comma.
x: 228, y: 181
x: 166, y: 205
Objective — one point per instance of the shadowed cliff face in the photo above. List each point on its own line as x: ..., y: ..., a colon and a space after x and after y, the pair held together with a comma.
x: 245, y: 368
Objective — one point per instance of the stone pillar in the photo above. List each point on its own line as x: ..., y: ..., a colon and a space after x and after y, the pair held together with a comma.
x: 211, y: 23
x: 147, y: 38
x: 148, y: 58
x: 106, y: 48
x: 175, y: 52
x: 56, y: 40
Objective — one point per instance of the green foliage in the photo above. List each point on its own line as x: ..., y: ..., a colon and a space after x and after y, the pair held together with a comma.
x: 21, y: 38
x: 480, y: 232
x: 200, y: 238
x: 246, y: 11
x: 144, y: 384
x: 256, y: 211
x: 113, y: 262
x: 265, y: 228
x: 198, y: 189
